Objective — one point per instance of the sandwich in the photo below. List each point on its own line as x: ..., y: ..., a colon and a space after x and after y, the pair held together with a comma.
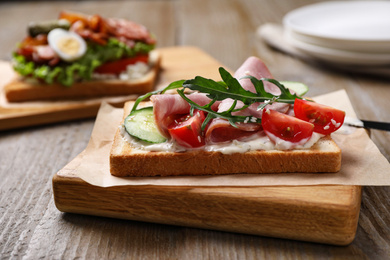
x: 83, y: 56
x: 246, y: 123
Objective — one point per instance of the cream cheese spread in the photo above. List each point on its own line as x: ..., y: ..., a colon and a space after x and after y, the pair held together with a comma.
x: 254, y: 143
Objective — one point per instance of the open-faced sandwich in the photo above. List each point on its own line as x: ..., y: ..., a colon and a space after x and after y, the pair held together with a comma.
x: 249, y: 123
x: 83, y: 56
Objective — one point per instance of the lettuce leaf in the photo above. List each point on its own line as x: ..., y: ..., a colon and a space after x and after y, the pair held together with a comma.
x: 66, y: 73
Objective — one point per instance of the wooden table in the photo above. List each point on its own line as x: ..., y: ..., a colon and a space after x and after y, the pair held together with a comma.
x: 31, y: 227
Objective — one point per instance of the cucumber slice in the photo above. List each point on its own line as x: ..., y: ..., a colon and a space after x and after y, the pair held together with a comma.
x: 140, y: 124
x: 299, y: 88
x: 45, y: 27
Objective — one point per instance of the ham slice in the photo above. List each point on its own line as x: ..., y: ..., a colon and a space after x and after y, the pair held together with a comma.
x: 221, y: 130
x: 45, y: 54
x: 256, y: 68
x: 168, y: 106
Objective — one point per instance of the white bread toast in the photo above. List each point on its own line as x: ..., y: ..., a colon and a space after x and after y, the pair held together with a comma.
x: 20, y: 90
x: 125, y: 160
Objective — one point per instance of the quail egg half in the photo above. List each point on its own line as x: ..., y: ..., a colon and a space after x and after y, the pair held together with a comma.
x: 68, y: 45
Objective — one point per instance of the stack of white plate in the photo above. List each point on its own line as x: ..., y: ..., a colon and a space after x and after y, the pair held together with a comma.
x: 346, y: 32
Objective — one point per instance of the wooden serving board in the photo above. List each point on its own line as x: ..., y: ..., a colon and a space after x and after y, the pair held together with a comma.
x: 177, y: 63
x: 324, y: 214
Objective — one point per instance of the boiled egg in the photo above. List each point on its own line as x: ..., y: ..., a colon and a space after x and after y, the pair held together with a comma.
x: 68, y: 45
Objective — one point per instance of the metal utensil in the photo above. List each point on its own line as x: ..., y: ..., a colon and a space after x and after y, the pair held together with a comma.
x: 367, y: 124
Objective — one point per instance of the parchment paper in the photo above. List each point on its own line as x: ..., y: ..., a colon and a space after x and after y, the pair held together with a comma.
x: 362, y: 162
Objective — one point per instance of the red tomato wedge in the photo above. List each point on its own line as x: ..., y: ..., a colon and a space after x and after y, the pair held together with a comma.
x: 288, y: 128
x: 187, y: 131
x: 325, y: 119
x: 116, y: 67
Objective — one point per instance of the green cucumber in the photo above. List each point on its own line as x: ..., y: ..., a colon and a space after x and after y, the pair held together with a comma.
x: 299, y: 88
x: 45, y: 27
x: 140, y: 124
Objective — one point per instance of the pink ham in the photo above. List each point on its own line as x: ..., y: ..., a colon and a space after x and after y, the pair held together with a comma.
x: 220, y: 130
x: 256, y: 68
x: 45, y: 54
x: 166, y: 106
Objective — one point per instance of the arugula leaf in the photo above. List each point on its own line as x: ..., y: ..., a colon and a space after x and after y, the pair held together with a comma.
x: 231, y: 88
x: 285, y: 97
x: 213, y: 114
x: 228, y: 88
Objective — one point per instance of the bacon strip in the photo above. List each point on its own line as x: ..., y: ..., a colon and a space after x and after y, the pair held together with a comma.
x: 129, y: 30
x: 99, y: 29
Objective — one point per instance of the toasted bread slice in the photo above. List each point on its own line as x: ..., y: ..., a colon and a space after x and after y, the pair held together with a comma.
x: 125, y: 160
x: 20, y: 90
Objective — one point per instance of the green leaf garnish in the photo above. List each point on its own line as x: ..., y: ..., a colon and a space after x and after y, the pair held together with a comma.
x: 229, y: 87
x: 213, y: 114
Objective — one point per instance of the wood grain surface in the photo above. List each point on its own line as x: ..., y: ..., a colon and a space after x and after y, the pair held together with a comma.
x: 321, y: 214
x: 31, y: 227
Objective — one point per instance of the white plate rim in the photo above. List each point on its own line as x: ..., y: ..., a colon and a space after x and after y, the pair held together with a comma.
x: 288, y: 23
x: 339, y: 56
x: 347, y: 45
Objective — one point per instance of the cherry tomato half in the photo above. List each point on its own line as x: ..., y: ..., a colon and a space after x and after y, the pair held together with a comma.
x: 116, y: 67
x: 325, y: 119
x: 285, y: 127
x: 187, y: 131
